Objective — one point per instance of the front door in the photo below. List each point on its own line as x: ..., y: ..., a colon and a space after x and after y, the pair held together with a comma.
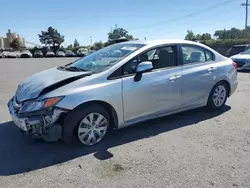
x: 199, y: 75
x: 158, y: 91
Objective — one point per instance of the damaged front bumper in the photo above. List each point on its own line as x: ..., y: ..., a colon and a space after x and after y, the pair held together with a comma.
x: 46, y: 124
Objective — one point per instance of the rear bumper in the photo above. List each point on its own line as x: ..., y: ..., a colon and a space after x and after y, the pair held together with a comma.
x: 234, y: 86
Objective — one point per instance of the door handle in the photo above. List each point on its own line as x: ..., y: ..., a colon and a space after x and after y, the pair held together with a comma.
x: 211, y: 69
x: 173, y: 78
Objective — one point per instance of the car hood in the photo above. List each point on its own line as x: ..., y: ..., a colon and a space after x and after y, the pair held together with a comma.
x: 46, y: 81
x: 241, y: 56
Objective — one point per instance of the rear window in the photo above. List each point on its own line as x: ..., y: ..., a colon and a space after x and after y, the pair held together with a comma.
x: 236, y: 50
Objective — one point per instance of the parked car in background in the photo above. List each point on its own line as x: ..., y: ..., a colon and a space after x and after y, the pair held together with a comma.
x: 50, y: 54
x: 242, y: 60
x: 60, y: 54
x: 18, y: 54
x: 38, y: 54
x: 26, y: 54
x: 4, y: 54
x: 91, y: 51
x: 152, y: 79
x: 69, y: 53
x: 82, y: 52
x: 13, y: 55
x: 237, y: 49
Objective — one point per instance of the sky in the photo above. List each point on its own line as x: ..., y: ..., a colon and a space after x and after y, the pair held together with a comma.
x: 82, y: 19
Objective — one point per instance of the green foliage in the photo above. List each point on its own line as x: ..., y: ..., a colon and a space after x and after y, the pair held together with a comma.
x: 205, y: 36
x: 118, y: 33
x: 224, y: 38
x: 190, y: 35
x: 16, y: 44
x: 222, y: 43
x: 233, y: 33
x: 51, y: 37
x: 76, y: 44
x: 70, y: 47
x: 97, y: 45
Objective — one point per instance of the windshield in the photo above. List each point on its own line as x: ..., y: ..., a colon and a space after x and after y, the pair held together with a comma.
x: 106, y: 57
x: 247, y: 52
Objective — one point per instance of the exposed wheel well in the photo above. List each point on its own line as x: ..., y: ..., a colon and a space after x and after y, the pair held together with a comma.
x: 108, y: 107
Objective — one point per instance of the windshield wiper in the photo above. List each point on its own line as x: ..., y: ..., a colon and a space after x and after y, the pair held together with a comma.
x: 72, y: 68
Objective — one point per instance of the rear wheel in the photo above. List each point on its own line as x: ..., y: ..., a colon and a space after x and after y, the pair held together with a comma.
x: 88, y: 123
x: 218, y: 96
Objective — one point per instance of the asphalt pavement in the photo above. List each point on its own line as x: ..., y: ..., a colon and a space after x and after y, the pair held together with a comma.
x: 190, y: 149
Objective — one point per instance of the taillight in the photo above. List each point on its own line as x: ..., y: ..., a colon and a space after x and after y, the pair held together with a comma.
x: 235, y: 65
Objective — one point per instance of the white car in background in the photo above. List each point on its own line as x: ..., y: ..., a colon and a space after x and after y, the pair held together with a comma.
x: 4, y: 54
x: 26, y: 54
x: 242, y: 60
x: 14, y: 54
x: 50, y: 54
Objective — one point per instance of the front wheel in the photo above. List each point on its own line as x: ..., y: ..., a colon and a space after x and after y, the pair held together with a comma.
x: 218, y: 96
x: 88, y: 123
x: 92, y: 128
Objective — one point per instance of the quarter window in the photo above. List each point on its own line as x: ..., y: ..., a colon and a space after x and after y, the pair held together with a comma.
x: 209, y: 55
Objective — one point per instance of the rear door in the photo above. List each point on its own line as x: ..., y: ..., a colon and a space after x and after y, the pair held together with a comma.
x: 199, y: 72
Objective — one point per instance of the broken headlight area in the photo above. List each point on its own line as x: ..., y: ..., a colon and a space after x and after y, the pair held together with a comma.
x: 48, y: 125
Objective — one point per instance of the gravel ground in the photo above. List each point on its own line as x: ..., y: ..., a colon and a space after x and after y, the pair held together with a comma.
x: 191, y: 149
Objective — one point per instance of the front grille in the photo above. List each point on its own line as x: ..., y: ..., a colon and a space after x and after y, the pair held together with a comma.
x: 240, y: 63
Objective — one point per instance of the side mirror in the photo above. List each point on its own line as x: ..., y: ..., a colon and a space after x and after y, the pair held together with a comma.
x: 144, y: 66
x: 141, y: 68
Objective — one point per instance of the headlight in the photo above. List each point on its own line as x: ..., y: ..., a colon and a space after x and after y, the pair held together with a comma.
x: 33, y: 106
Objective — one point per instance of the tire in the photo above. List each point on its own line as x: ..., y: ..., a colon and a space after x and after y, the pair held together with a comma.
x: 78, y: 124
x: 218, y: 96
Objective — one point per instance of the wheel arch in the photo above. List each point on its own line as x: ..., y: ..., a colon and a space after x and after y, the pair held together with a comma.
x: 228, y: 86
x: 110, y: 109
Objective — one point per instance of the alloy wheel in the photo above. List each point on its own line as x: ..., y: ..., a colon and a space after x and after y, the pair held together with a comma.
x: 219, y: 95
x: 92, y: 129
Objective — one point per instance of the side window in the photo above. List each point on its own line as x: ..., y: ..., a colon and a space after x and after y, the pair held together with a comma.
x: 209, y: 55
x: 161, y: 57
x: 193, y: 54
x: 116, y: 74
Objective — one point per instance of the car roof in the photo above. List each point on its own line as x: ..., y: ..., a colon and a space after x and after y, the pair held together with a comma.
x: 163, y: 41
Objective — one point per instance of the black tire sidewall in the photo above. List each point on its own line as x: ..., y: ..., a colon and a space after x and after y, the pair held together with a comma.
x: 210, y: 103
x: 72, y: 120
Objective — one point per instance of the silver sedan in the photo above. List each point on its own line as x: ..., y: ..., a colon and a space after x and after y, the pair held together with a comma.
x: 147, y: 80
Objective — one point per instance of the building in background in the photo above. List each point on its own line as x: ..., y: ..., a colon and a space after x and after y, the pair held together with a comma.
x: 6, y: 41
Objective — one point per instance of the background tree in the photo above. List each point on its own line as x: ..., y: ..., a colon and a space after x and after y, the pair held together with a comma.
x: 233, y: 33
x: 16, y: 44
x: 70, y: 47
x: 190, y: 35
x: 118, y: 33
x: 76, y: 44
x: 51, y: 37
x: 98, y: 45
x: 206, y: 36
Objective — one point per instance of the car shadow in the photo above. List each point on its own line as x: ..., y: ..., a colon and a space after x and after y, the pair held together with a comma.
x: 20, y: 154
